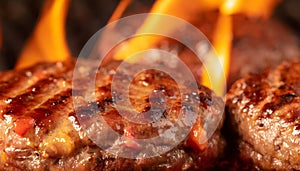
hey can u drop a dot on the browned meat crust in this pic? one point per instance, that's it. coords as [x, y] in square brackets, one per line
[265, 110]
[40, 131]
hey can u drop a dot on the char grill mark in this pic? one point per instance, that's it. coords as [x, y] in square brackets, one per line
[51, 107]
[29, 88]
[33, 96]
[54, 108]
[22, 79]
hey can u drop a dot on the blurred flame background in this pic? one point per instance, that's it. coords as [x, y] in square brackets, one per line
[18, 19]
[84, 18]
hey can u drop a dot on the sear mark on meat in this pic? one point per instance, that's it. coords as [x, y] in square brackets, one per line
[53, 139]
[264, 111]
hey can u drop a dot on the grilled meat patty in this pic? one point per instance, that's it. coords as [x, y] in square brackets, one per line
[264, 110]
[40, 130]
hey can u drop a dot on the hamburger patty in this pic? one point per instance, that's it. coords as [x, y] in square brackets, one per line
[265, 111]
[40, 130]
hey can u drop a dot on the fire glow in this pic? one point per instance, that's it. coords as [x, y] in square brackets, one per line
[222, 38]
[48, 42]
[222, 35]
[0, 38]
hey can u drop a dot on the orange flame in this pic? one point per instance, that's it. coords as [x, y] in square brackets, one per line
[223, 35]
[188, 11]
[48, 42]
[178, 8]
[119, 10]
[212, 78]
[253, 8]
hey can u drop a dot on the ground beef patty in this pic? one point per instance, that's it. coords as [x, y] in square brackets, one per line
[39, 129]
[265, 111]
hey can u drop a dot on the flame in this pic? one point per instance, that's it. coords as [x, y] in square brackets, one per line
[48, 42]
[223, 35]
[176, 8]
[213, 78]
[119, 10]
[188, 11]
[253, 8]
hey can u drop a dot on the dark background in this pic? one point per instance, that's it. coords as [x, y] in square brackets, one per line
[18, 18]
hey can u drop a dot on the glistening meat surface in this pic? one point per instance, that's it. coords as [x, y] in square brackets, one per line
[264, 110]
[39, 128]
